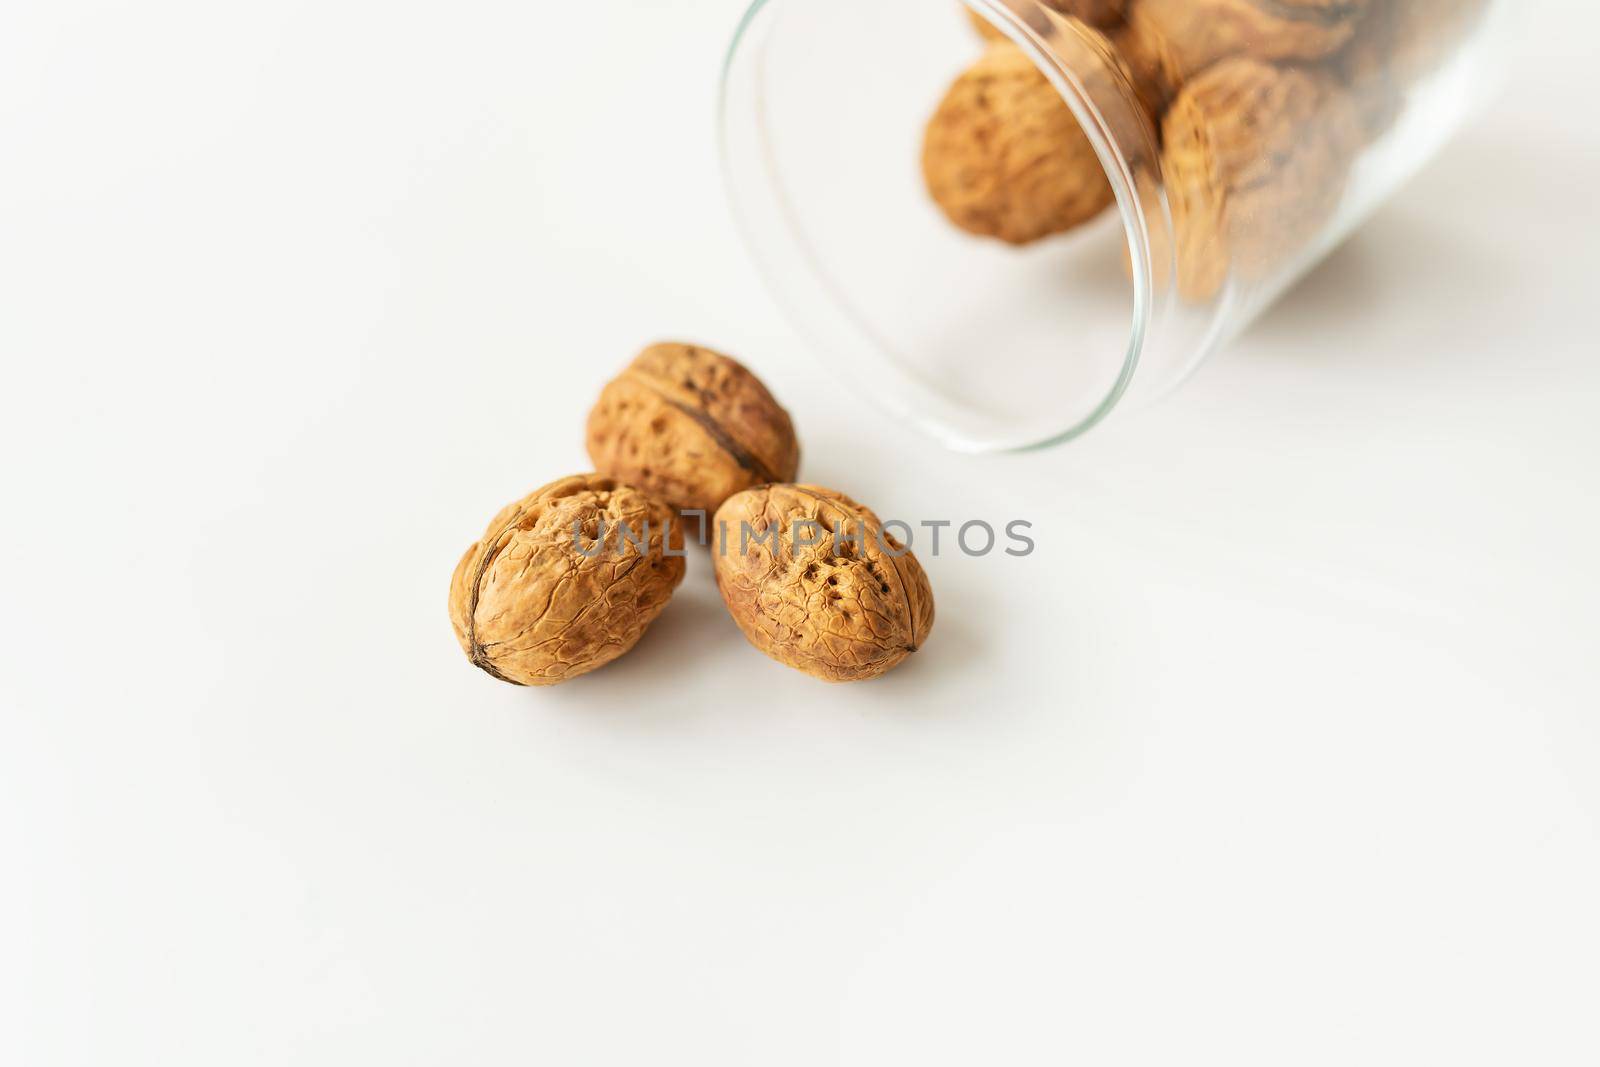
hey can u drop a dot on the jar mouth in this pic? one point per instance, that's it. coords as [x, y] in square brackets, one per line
[1131, 206]
[799, 247]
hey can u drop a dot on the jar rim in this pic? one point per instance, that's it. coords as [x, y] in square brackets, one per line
[1132, 207]
[1139, 207]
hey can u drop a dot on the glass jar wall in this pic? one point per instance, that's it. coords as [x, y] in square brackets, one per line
[1005, 219]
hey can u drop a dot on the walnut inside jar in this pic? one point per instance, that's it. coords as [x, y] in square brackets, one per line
[1167, 42]
[1004, 157]
[1256, 158]
[1398, 43]
[1100, 13]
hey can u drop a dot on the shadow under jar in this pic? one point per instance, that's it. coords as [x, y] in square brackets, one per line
[1004, 218]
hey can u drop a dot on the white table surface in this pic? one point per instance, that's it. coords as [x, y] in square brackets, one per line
[1282, 748]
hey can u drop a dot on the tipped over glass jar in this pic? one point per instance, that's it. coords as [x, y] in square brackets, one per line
[1003, 220]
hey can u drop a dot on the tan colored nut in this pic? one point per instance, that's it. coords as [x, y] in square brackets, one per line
[1398, 43]
[1004, 157]
[1422, 35]
[1167, 42]
[1095, 12]
[986, 29]
[541, 599]
[849, 607]
[692, 427]
[1255, 160]
[1366, 71]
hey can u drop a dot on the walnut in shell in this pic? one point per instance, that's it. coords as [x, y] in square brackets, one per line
[692, 427]
[1365, 70]
[1419, 36]
[1255, 158]
[541, 599]
[1398, 43]
[1094, 12]
[1004, 157]
[1167, 42]
[846, 608]
[986, 29]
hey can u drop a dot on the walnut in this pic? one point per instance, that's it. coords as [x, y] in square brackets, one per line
[1094, 12]
[547, 595]
[986, 29]
[692, 427]
[1365, 69]
[1421, 35]
[1004, 157]
[1398, 43]
[1255, 160]
[846, 608]
[1169, 41]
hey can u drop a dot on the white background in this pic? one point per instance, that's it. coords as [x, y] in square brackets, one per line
[1281, 749]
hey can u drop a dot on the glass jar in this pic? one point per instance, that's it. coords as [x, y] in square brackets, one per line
[1003, 221]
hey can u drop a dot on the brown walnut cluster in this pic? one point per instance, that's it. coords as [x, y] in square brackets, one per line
[567, 579]
[1260, 108]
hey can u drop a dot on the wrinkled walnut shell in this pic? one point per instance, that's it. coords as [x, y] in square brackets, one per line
[841, 612]
[1366, 70]
[1398, 43]
[1419, 36]
[1255, 158]
[1095, 12]
[1004, 157]
[1167, 42]
[531, 608]
[692, 427]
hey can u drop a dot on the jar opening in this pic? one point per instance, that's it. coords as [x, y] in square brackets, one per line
[986, 345]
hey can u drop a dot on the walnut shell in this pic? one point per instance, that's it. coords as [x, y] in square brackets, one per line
[692, 427]
[842, 610]
[530, 607]
[1419, 36]
[1004, 157]
[1255, 159]
[1365, 69]
[1095, 12]
[986, 29]
[1167, 42]
[1398, 43]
